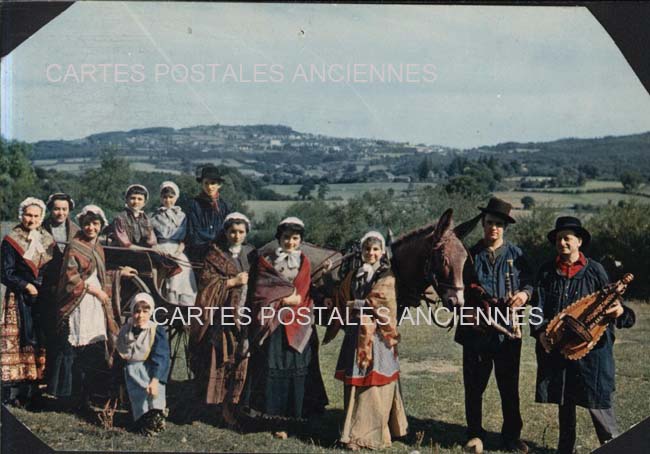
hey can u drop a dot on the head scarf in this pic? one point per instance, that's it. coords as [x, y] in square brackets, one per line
[175, 213]
[292, 220]
[239, 217]
[170, 184]
[137, 186]
[92, 209]
[34, 238]
[376, 235]
[128, 193]
[366, 268]
[293, 257]
[135, 345]
[142, 297]
[59, 196]
[236, 218]
[29, 201]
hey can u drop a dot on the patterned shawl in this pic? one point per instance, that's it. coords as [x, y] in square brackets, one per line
[270, 288]
[80, 261]
[217, 269]
[18, 238]
[382, 300]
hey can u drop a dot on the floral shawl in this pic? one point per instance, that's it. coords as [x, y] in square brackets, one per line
[380, 296]
[18, 239]
[80, 261]
[270, 288]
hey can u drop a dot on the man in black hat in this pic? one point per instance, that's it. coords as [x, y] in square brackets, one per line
[501, 279]
[587, 382]
[206, 215]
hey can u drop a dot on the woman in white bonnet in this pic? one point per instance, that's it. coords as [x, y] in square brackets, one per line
[219, 345]
[284, 385]
[368, 364]
[170, 226]
[80, 368]
[25, 252]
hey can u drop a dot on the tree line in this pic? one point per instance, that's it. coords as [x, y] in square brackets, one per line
[621, 231]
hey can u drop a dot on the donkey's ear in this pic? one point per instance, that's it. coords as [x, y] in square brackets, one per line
[390, 237]
[464, 229]
[389, 243]
[445, 223]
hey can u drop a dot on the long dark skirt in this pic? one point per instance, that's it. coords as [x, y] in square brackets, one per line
[82, 373]
[282, 384]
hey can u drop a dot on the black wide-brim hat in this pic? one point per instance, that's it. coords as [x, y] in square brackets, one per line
[211, 172]
[570, 223]
[499, 208]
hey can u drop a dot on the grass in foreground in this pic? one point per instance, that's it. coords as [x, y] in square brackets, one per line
[433, 394]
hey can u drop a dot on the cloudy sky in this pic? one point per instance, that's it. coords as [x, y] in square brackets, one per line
[478, 75]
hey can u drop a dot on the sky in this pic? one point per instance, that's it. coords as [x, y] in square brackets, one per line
[470, 75]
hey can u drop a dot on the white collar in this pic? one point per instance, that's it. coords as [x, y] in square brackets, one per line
[291, 257]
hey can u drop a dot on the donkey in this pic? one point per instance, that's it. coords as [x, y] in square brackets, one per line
[431, 255]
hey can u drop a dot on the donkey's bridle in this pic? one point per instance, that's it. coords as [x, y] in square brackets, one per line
[430, 276]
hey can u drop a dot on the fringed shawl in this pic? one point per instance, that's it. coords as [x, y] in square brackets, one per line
[80, 261]
[270, 288]
[217, 269]
[382, 317]
[71, 228]
[18, 239]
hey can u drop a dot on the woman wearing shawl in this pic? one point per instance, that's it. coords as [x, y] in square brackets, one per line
[170, 226]
[86, 319]
[144, 346]
[25, 251]
[368, 365]
[63, 230]
[284, 384]
[132, 227]
[220, 342]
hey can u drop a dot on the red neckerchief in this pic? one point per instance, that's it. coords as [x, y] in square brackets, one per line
[570, 269]
[215, 201]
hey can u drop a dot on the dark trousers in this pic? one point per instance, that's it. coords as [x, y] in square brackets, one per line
[477, 368]
[604, 421]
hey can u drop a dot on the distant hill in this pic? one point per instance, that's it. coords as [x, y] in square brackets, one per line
[281, 154]
[276, 151]
[604, 156]
[199, 140]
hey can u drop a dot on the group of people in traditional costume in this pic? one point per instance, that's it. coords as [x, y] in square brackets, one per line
[60, 326]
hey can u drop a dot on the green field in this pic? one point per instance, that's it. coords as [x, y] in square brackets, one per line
[345, 190]
[261, 208]
[589, 184]
[431, 382]
[569, 200]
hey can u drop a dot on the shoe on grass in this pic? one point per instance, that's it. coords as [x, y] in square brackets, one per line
[474, 446]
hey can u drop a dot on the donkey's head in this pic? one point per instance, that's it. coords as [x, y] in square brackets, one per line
[447, 261]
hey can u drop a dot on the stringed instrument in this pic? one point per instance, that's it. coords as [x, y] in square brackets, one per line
[579, 327]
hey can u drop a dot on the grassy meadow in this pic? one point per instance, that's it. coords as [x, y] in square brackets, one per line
[431, 381]
[341, 192]
[564, 201]
[345, 191]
